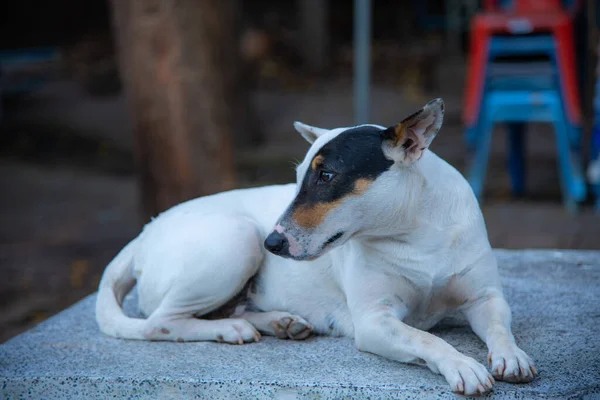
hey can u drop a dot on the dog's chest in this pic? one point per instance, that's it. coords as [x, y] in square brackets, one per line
[420, 284]
[434, 300]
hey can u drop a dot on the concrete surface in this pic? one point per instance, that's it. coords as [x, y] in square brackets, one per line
[554, 296]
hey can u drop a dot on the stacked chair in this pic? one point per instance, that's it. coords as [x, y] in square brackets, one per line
[504, 85]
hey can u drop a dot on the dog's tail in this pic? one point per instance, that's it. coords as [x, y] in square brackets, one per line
[116, 282]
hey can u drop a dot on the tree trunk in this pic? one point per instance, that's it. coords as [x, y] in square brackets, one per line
[178, 61]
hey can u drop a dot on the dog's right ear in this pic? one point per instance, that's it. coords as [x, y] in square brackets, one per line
[310, 133]
[406, 141]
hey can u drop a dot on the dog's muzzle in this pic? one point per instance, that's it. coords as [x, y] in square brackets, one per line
[277, 244]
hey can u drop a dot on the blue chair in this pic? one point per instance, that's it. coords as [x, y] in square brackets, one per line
[533, 77]
[540, 45]
[542, 75]
[508, 80]
[519, 106]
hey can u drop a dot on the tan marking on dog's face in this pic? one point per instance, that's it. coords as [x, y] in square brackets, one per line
[361, 186]
[311, 217]
[316, 162]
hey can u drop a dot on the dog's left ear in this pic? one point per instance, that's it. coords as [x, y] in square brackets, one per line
[310, 133]
[406, 142]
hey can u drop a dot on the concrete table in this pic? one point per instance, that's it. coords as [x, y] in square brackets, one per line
[554, 295]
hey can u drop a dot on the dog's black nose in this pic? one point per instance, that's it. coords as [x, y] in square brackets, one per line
[276, 243]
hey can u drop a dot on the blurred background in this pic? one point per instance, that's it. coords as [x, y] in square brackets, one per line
[111, 112]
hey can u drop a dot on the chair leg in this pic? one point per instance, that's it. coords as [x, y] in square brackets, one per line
[575, 136]
[481, 155]
[471, 137]
[593, 174]
[594, 167]
[596, 192]
[570, 167]
[516, 157]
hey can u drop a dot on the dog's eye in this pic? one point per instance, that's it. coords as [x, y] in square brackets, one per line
[325, 177]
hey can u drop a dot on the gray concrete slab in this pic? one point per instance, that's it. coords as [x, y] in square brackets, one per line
[554, 296]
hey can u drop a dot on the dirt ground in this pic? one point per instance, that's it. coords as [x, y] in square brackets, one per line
[67, 208]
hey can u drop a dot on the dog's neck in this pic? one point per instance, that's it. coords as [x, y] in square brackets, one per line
[436, 208]
[434, 198]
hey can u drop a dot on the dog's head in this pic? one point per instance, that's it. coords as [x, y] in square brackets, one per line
[350, 181]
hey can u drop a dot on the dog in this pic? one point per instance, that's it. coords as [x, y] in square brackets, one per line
[378, 240]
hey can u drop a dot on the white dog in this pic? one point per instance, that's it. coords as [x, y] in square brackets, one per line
[378, 240]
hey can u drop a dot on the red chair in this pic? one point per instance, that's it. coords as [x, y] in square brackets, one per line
[523, 17]
[524, 6]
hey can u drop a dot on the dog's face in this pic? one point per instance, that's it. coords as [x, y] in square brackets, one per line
[343, 184]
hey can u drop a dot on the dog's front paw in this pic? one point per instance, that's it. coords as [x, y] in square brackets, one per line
[509, 363]
[236, 331]
[466, 376]
[292, 327]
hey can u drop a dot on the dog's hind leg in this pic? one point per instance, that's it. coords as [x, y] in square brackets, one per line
[279, 323]
[187, 328]
[210, 267]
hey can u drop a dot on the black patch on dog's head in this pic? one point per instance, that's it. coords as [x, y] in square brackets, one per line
[355, 157]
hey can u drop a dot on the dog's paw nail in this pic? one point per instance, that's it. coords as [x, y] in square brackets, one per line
[511, 364]
[460, 388]
[524, 373]
[499, 370]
